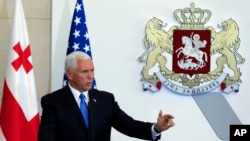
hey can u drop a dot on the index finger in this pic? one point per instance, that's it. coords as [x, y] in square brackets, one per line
[168, 116]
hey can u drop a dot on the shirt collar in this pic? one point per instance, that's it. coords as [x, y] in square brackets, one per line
[77, 93]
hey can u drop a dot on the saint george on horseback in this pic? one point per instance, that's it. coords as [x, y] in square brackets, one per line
[192, 49]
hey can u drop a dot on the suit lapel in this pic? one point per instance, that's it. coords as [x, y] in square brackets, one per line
[93, 101]
[70, 100]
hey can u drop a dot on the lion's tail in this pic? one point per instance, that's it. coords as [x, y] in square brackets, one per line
[240, 59]
[147, 46]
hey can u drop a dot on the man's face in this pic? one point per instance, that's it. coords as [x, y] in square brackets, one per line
[82, 77]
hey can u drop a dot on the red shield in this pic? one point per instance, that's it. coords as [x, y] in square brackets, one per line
[191, 54]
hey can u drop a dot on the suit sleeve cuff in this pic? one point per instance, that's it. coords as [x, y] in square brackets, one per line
[155, 133]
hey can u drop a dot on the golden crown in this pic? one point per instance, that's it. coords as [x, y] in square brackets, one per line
[191, 17]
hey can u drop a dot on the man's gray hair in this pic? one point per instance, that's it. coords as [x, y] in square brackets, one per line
[71, 59]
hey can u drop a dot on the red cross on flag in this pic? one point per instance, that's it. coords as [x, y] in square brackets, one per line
[19, 116]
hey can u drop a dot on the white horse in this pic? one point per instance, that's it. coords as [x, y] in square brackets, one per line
[189, 51]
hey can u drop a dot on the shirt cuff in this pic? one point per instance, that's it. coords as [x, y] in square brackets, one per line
[155, 134]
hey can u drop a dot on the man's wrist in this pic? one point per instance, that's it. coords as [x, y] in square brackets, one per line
[156, 129]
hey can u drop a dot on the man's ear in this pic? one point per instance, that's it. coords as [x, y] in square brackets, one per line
[69, 74]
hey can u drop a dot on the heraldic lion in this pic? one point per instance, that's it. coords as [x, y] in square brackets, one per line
[227, 42]
[156, 41]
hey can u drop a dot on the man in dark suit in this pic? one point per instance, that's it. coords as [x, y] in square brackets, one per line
[62, 119]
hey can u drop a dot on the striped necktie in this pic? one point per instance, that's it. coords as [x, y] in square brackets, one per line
[84, 109]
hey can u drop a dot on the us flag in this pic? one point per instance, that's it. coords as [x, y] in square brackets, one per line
[78, 37]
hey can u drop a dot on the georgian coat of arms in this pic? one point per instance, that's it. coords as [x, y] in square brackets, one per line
[191, 58]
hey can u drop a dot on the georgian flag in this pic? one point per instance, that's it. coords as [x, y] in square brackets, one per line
[153, 87]
[228, 88]
[19, 116]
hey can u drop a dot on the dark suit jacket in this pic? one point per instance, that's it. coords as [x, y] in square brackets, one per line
[62, 120]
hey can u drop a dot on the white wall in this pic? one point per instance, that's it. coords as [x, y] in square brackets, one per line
[116, 29]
